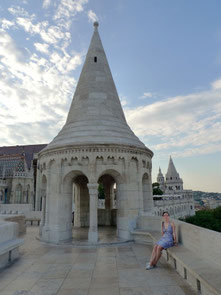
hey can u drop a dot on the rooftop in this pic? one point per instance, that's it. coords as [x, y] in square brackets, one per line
[64, 270]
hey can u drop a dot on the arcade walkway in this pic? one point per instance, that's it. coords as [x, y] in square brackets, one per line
[65, 270]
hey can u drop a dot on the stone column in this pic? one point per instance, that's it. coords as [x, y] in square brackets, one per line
[38, 191]
[77, 207]
[93, 195]
[42, 223]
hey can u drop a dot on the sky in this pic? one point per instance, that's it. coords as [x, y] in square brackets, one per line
[165, 58]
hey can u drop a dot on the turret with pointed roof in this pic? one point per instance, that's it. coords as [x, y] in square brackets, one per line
[160, 180]
[173, 182]
[95, 146]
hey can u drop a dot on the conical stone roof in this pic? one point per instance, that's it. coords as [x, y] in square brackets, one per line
[96, 115]
[171, 171]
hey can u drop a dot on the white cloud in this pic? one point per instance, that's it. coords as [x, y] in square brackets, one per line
[92, 16]
[216, 84]
[147, 95]
[34, 91]
[46, 3]
[69, 8]
[123, 100]
[184, 125]
[42, 47]
[20, 11]
[6, 24]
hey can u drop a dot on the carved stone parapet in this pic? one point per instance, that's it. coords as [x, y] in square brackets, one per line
[96, 149]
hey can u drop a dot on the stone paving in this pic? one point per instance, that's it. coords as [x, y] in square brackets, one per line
[66, 270]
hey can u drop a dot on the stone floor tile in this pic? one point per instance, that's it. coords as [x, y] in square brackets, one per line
[21, 284]
[106, 291]
[136, 291]
[168, 290]
[73, 292]
[46, 287]
[104, 283]
[103, 268]
[132, 278]
[106, 273]
[83, 266]
[57, 271]
[76, 283]
[75, 273]
[165, 280]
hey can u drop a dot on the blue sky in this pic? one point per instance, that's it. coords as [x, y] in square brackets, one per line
[165, 58]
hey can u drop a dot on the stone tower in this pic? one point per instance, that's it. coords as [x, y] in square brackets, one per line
[95, 146]
[160, 180]
[173, 182]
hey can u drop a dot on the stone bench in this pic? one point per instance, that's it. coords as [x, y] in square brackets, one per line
[203, 275]
[9, 251]
[29, 221]
[9, 242]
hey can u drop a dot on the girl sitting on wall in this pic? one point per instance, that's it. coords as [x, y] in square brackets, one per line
[167, 240]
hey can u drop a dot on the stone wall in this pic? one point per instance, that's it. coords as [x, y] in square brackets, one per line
[15, 208]
[19, 219]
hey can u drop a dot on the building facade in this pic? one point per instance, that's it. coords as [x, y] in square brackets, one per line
[175, 200]
[17, 174]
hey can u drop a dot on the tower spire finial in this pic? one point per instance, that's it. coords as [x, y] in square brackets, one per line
[96, 25]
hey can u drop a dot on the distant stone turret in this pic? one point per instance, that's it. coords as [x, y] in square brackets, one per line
[160, 180]
[173, 182]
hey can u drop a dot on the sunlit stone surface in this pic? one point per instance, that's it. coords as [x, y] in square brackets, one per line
[65, 270]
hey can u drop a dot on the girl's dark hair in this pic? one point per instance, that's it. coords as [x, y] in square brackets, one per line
[166, 212]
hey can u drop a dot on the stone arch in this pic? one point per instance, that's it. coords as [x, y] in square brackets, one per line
[18, 194]
[27, 194]
[114, 173]
[43, 200]
[75, 200]
[107, 214]
[110, 160]
[2, 195]
[74, 161]
[134, 164]
[171, 211]
[99, 160]
[114, 186]
[147, 192]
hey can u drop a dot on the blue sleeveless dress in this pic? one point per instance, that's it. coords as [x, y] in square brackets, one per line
[167, 239]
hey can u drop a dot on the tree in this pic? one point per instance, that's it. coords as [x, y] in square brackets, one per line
[101, 194]
[156, 189]
[210, 218]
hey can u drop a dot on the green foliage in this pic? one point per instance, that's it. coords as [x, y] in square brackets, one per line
[156, 189]
[210, 218]
[101, 194]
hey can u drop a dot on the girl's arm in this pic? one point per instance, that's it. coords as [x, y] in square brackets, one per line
[162, 228]
[174, 233]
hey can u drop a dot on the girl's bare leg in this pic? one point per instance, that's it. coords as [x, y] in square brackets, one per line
[158, 254]
[153, 255]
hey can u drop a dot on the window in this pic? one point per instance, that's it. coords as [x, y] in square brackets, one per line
[95, 59]
[18, 194]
